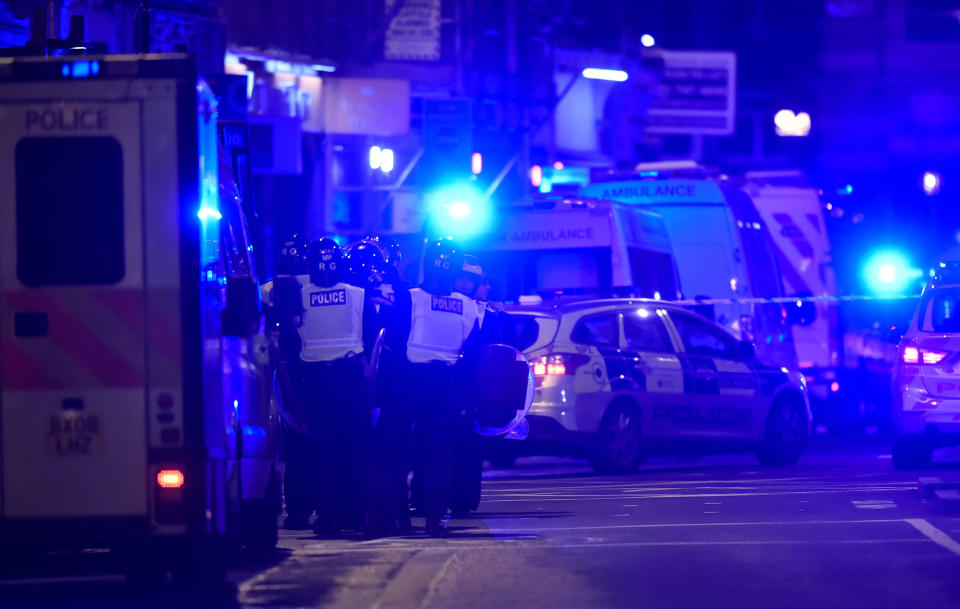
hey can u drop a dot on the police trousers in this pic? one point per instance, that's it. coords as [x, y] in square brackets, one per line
[417, 396]
[338, 413]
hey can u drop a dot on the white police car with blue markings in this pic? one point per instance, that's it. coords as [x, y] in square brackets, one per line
[620, 379]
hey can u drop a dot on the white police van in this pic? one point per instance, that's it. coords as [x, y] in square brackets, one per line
[135, 412]
[619, 379]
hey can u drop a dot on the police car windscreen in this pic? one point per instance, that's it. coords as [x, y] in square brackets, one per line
[516, 273]
[941, 311]
[69, 194]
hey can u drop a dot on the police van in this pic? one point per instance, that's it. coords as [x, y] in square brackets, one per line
[551, 245]
[133, 404]
[620, 379]
[722, 247]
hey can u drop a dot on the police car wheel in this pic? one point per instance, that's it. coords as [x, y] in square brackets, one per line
[911, 452]
[619, 441]
[786, 434]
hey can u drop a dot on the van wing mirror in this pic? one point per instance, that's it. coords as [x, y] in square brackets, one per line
[241, 316]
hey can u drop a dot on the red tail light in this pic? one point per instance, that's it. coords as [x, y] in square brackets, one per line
[558, 364]
[170, 478]
[914, 355]
[911, 355]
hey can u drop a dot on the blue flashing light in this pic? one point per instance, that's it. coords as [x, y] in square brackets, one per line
[81, 69]
[209, 213]
[94, 67]
[890, 272]
[65, 70]
[458, 210]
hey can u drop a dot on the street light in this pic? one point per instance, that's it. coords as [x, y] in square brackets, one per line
[789, 124]
[931, 183]
[647, 40]
[604, 74]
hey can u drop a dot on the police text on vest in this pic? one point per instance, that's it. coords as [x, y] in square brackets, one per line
[328, 298]
[446, 304]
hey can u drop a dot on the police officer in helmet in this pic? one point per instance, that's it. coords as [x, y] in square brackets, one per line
[339, 326]
[429, 330]
[282, 301]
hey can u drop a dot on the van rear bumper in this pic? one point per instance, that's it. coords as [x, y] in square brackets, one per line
[73, 532]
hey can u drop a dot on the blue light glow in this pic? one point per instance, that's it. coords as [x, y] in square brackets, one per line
[65, 70]
[94, 67]
[209, 213]
[81, 69]
[890, 272]
[458, 210]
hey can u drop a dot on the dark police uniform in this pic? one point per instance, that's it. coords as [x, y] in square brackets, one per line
[427, 330]
[339, 325]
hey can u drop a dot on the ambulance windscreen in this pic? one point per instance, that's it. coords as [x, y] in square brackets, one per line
[69, 194]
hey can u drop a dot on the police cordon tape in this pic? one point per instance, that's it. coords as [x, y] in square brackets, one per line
[794, 299]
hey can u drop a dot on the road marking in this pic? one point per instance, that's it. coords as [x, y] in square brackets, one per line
[523, 498]
[712, 503]
[874, 504]
[693, 524]
[936, 535]
[712, 512]
[631, 505]
[432, 588]
[411, 585]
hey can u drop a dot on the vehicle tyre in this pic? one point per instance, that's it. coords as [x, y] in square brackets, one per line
[787, 432]
[619, 440]
[260, 528]
[499, 454]
[911, 452]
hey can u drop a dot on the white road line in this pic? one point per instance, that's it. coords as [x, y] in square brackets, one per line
[692, 524]
[66, 579]
[711, 512]
[432, 588]
[936, 535]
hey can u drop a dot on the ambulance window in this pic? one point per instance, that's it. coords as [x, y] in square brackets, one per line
[644, 331]
[69, 194]
[701, 338]
[652, 273]
[602, 330]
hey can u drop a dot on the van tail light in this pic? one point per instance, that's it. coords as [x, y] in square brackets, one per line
[170, 478]
[168, 497]
[558, 364]
[914, 355]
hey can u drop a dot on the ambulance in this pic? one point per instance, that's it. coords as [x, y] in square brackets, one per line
[134, 407]
[792, 210]
[722, 247]
[557, 245]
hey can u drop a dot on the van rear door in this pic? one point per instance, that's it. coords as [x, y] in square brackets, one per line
[72, 307]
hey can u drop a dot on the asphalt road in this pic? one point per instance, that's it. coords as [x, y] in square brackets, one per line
[840, 529]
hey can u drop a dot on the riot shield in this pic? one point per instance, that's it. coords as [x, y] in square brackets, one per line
[500, 391]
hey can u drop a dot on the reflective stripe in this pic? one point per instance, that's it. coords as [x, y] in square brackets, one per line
[439, 326]
[332, 322]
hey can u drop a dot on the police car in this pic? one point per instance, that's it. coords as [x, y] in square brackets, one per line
[620, 379]
[926, 376]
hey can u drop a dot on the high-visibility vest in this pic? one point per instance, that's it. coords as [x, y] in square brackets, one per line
[439, 326]
[332, 322]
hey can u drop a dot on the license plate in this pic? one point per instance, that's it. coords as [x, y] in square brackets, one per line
[71, 434]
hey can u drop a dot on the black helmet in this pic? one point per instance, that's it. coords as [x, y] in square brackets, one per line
[324, 261]
[293, 256]
[470, 276]
[442, 262]
[365, 264]
[390, 249]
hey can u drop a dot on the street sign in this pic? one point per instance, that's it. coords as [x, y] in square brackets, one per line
[696, 93]
[447, 138]
[414, 31]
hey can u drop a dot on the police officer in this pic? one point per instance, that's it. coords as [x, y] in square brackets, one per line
[282, 301]
[429, 329]
[339, 325]
[366, 268]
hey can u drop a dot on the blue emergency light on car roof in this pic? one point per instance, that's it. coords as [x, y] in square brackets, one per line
[80, 69]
